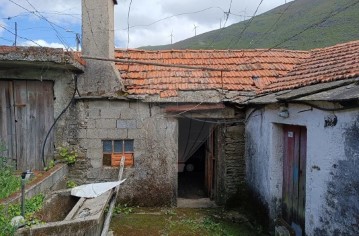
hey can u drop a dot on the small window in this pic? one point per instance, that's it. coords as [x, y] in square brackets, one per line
[114, 150]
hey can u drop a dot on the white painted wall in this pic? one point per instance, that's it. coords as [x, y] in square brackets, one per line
[325, 147]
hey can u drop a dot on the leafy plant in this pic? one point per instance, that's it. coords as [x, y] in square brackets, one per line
[32, 205]
[124, 209]
[71, 184]
[50, 165]
[9, 182]
[68, 156]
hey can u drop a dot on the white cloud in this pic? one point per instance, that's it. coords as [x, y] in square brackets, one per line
[57, 11]
[146, 12]
[42, 43]
[67, 14]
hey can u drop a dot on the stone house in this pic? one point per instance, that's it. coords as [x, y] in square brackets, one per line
[35, 86]
[173, 114]
[205, 123]
[302, 143]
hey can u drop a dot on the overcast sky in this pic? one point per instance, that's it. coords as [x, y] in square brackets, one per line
[55, 23]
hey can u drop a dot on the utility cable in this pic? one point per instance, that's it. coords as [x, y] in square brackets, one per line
[245, 27]
[128, 24]
[56, 120]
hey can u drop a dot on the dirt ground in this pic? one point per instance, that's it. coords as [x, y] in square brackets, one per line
[181, 221]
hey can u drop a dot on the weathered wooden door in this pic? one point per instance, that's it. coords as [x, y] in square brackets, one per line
[27, 113]
[294, 165]
[210, 164]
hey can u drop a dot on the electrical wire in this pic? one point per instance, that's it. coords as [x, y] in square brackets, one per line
[332, 14]
[128, 24]
[1, 26]
[275, 23]
[58, 35]
[169, 17]
[224, 25]
[238, 38]
[57, 119]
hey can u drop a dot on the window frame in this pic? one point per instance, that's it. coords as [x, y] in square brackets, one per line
[116, 156]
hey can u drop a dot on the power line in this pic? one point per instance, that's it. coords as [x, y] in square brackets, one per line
[245, 27]
[58, 35]
[275, 23]
[332, 14]
[38, 14]
[20, 36]
[224, 25]
[169, 17]
[128, 24]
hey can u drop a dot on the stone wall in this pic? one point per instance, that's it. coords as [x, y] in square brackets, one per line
[230, 169]
[153, 178]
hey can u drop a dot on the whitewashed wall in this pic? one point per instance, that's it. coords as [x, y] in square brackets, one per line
[332, 182]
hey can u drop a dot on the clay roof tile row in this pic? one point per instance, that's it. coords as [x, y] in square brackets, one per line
[258, 70]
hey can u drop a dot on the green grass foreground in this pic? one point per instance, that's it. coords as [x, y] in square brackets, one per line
[180, 221]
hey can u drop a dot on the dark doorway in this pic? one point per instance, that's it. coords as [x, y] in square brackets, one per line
[195, 159]
[294, 165]
[191, 179]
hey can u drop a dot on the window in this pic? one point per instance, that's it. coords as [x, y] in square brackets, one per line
[114, 150]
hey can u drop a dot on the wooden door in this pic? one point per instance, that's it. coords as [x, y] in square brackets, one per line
[294, 166]
[28, 115]
[7, 120]
[210, 164]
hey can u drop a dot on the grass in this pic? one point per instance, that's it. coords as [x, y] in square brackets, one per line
[179, 221]
[7, 212]
[276, 26]
[9, 182]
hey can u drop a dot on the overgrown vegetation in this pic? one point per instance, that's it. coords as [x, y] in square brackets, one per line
[9, 182]
[123, 209]
[71, 184]
[277, 27]
[7, 212]
[50, 165]
[180, 221]
[66, 155]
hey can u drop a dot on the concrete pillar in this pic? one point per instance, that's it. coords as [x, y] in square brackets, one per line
[101, 78]
[98, 28]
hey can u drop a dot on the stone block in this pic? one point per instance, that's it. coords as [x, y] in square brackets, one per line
[96, 163]
[135, 133]
[110, 113]
[126, 124]
[94, 153]
[82, 133]
[98, 104]
[106, 123]
[128, 114]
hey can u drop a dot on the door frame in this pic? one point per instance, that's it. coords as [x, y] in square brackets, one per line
[294, 176]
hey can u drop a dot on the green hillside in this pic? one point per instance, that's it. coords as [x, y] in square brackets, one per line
[302, 24]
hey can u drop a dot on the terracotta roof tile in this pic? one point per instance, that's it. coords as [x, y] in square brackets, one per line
[327, 64]
[243, 65]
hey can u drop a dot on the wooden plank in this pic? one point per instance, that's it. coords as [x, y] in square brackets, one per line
[33, 124]
[7, 136]
[48, 98]
[20, 97]
[302, 177]
[295, 196]
[288, 157]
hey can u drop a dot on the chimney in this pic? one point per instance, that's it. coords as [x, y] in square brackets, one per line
[98, 28]
[100, 78]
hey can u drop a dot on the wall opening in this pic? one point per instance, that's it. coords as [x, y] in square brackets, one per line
[195, 155]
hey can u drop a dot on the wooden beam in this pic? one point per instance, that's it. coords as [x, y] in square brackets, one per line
[195, 107]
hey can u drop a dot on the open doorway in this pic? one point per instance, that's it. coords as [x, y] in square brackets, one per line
[194, 152]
